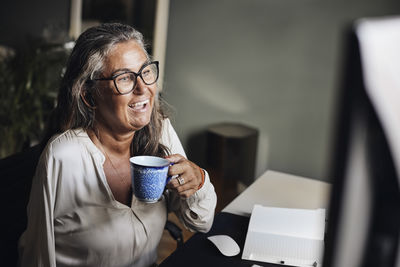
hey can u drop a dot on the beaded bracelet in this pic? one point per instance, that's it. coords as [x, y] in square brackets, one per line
[202, 178]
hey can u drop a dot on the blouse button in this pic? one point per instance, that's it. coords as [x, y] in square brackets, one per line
[193, 215]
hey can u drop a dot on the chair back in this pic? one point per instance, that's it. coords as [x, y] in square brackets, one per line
[16, 173]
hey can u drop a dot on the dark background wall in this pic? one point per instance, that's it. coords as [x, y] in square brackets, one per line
[39, 18]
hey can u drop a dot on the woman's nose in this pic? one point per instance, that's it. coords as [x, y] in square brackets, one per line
[140, 87]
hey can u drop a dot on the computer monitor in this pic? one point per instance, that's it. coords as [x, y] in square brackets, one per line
[363, 226]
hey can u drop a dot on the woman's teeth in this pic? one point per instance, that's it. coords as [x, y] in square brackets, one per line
[139, 105]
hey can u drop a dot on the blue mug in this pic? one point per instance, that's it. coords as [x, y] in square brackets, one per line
[149, 177]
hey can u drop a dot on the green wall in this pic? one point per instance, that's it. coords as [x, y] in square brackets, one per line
[270, 64]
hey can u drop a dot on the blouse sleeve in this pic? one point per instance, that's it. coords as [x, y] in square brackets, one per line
[196, 212]
[36, 245]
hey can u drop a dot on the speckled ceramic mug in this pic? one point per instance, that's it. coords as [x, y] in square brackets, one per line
[149, 177]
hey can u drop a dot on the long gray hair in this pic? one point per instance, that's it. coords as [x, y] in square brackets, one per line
[85, 62]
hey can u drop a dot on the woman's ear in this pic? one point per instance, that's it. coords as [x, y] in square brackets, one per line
[87, 98]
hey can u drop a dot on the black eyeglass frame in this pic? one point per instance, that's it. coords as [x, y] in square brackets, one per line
[138, 74]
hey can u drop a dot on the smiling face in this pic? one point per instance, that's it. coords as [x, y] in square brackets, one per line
[132, 111]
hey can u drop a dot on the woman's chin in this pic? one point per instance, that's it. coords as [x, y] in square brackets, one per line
[138, 120]
[139, 123]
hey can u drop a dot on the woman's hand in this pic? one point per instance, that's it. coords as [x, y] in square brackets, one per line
[189, 176]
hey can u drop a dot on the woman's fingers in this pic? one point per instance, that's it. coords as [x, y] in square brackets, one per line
[185, 190]
[181, 183]
[180, 165]
[175, 158]
[188, 176]
[179, 168]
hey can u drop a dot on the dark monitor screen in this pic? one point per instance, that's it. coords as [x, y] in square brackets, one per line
[364, 214]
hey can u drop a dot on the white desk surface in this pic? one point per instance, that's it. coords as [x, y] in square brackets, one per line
[277, 189]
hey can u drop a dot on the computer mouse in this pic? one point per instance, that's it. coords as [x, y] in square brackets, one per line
[225, 244]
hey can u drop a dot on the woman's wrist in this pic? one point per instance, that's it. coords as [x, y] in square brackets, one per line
[202, 178]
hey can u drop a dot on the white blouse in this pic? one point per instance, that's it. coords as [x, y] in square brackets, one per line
[74, 220]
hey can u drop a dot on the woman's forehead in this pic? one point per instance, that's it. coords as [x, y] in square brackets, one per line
[128, 55]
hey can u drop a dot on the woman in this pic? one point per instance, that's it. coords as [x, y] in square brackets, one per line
[82, 211]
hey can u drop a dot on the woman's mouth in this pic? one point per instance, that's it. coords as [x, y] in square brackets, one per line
[139, 106]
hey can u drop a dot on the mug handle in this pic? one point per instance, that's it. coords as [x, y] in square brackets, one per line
[169, 177]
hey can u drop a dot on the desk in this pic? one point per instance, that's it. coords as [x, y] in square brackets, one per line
[277, 189]
[271, 189]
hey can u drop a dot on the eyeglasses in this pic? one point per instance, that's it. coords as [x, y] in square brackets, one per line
[125, 82]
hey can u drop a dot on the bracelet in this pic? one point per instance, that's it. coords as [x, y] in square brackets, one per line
[202, 178]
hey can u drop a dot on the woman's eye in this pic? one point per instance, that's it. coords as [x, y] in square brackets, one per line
[146, 72]
[124, 78]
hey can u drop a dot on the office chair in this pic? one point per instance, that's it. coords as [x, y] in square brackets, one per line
[16, 172]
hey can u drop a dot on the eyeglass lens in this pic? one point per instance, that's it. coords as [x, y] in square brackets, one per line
[126, 82]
